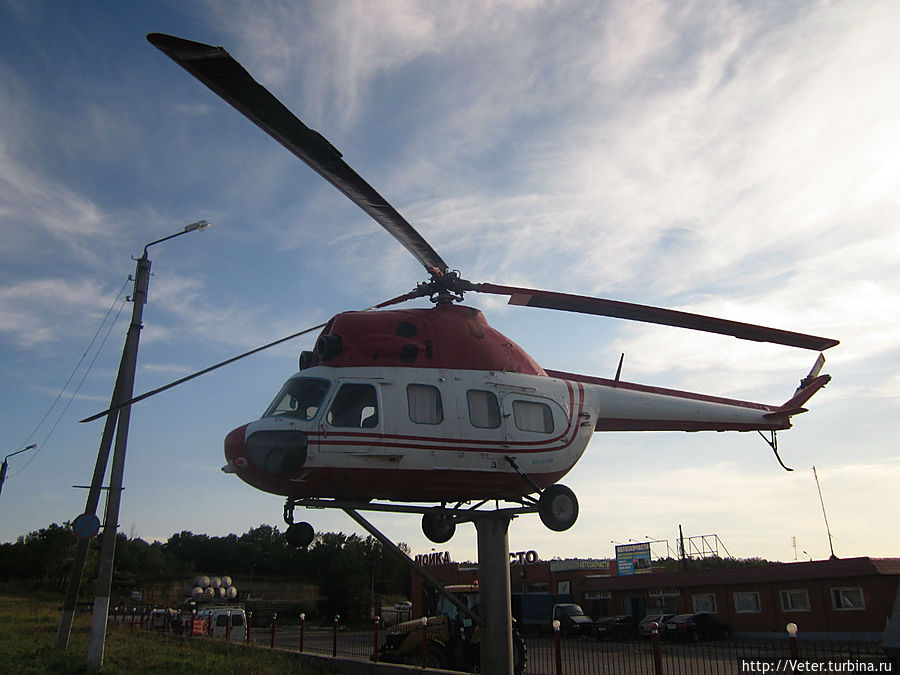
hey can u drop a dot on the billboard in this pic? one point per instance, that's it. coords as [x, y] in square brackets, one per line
[633, 559]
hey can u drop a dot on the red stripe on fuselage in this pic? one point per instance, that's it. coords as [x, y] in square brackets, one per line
[379, 440]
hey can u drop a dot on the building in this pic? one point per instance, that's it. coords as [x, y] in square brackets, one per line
[849, 598]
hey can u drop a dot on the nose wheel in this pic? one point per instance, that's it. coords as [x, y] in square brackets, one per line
[438, 526]
[299, 535]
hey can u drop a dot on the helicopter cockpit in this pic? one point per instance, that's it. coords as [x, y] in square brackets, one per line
[299, 398]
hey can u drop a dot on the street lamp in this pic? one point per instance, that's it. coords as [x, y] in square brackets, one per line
[117, 420]
[5, 465]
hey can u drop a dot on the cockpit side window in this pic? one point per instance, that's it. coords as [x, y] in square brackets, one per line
[299, 398]
[354, 406]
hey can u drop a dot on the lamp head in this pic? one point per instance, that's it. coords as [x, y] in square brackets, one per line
[199, 225]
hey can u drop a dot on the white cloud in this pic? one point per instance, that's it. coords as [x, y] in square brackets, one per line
[44, 310]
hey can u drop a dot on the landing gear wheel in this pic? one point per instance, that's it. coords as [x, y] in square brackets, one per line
[558, 508]
[438, 527]
[300, 535]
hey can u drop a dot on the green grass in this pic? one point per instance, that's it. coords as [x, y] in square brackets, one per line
[28, 632]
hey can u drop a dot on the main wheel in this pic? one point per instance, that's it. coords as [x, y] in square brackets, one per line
[438, 526]
[558, 508]
[300, 535]
[520, 651]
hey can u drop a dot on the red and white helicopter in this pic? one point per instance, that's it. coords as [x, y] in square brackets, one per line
[433, 406]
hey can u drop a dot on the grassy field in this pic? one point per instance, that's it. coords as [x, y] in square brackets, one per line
[28, 632]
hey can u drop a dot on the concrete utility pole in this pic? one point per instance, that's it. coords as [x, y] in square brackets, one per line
[125, 385]
[87, 524]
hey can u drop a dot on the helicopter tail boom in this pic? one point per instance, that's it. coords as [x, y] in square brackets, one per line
[627, 406]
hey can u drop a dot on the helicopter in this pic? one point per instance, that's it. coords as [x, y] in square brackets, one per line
[431, 410]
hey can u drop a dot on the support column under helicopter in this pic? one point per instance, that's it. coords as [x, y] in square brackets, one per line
[494, 593]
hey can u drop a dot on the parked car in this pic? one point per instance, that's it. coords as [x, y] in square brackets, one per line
[644, 625]
[619, 627]
[695, 627]
[572, 619]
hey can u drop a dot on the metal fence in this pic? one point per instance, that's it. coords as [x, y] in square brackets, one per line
[552, 655]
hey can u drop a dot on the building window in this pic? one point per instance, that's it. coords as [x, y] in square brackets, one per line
[794, 601]
[424, 404]
[531, 416]
[354, 406]
[704, 602]
[747, 603]
[484, 412]
[847, 598]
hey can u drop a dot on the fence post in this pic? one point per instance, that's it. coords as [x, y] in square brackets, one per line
[424, 621]
[792, 640]
[657, 651]
[376, 641]
[249, 624]
[228, 625]
[274, 621]
[337, 617]
[302, 629]
[132, 618]
[557, 648]
[193, 621]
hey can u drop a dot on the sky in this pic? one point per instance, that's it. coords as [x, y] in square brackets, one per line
[729, 158]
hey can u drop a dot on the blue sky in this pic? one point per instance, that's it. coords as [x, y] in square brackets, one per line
[737, 159]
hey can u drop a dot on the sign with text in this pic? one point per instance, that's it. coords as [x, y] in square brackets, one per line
[633, 559]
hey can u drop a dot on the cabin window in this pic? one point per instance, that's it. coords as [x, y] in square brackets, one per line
[847, 598]
[425, 405]
[484, 412]
[794, 601]
[532, 416]
[299, 398]
[355, 406]
[747, 603]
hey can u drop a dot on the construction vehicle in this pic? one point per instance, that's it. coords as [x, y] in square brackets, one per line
[453, 638]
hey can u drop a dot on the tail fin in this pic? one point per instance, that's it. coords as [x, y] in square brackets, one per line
[809, 385]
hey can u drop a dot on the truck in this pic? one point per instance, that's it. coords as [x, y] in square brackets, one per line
[453, 638]
[538, 611]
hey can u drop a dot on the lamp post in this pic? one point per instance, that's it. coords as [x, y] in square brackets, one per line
[5, 466]
[87, 523]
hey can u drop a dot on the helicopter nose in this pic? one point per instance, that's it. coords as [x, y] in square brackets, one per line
[236, 450]
[277, 452]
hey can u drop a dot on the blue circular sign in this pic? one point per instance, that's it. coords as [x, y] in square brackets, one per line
[86, 525]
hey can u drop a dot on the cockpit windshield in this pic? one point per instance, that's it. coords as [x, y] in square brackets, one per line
[299, 398]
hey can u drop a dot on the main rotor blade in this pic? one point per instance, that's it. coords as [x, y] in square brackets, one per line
[668, 317]
[188, 378]
[165, 387]
[219, 71]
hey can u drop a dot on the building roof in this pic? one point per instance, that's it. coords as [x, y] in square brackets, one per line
[771, 573]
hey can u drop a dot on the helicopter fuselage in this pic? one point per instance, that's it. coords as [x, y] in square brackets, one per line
[385, 410]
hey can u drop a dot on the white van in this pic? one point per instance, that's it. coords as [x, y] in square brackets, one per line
[219, 617]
